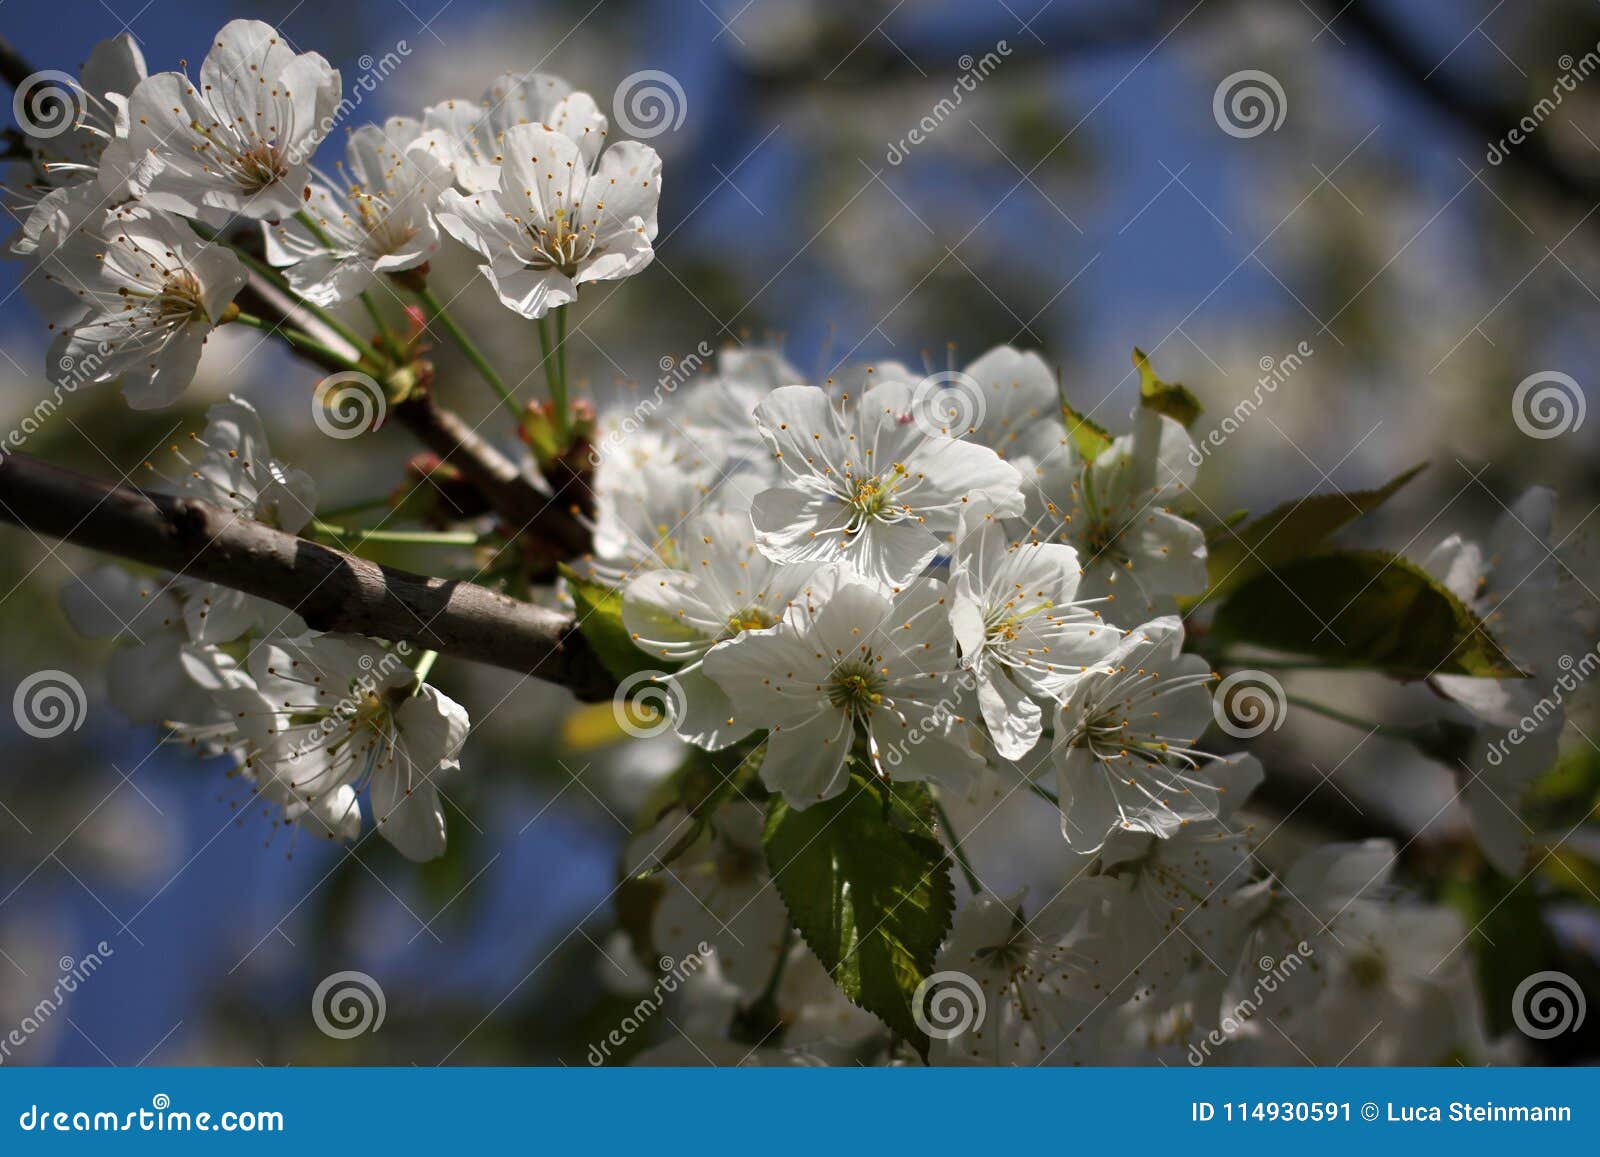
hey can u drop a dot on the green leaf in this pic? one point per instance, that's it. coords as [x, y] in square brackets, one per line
[1173, 399]
[1367, 609]
[872, 899]
[1088, 439]
[1291, 530]
[600, 620]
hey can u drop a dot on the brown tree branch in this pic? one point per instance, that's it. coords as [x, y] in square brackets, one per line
[549, 520]
[13, 68]
[1464, 101]
[531, 515]
[331, 590]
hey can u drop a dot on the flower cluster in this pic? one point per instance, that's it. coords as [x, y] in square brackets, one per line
[883, 596]
[878, 582]
[307, 719]
[133, 213]
[129, 211]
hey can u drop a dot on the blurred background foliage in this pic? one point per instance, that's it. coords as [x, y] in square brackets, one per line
[1082, 200]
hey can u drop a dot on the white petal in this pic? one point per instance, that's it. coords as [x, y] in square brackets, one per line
[806, 762]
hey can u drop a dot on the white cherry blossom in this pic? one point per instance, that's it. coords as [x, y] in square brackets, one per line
[1190, 901]
[1388, 974]
[146, 616]
[1124, 741]
[1016, 392]
[1022, 632]
[870, 486]
[1035, 980]
[237, 144]
[469, 137]
[718, 892]
[723, 586]
[330, 712]
[845, 660]
[1116, 511]
[151, 293]
[231, 465]
[374, 216]
[714, 413]
[646, 491]
[1510, 582]
[64, 192]
[222, 725]
[551, 224]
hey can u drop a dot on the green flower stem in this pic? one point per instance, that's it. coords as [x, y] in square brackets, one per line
[955, 846]
[355, 536]
[563, 416]
[425, 667]
[261, 267]
[298, 340]
[437, 312]
[378, 323]
[321, 235]
[550, 359]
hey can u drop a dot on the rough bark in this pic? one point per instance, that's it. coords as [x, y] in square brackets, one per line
[330, 589]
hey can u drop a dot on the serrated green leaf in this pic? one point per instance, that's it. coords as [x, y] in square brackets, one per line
[1362, 609]
[600, 621]
[1088, 439]
[1174, 399]
[1291, 530]
[871, 899]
